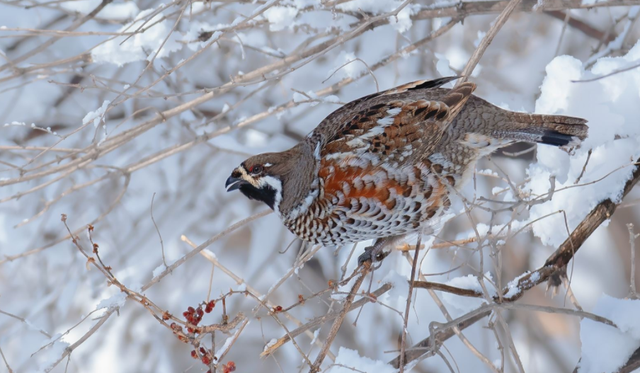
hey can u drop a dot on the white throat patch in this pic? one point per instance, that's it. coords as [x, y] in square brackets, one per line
[276, 185]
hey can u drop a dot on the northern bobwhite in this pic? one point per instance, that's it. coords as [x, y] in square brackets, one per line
[383, 166]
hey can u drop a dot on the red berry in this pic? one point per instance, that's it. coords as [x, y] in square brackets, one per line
[200, 312]
[206, 360]
[194, 354]
[231, 366]
[191, 310]
[203, 351]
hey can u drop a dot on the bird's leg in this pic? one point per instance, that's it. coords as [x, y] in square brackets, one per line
[376, 253]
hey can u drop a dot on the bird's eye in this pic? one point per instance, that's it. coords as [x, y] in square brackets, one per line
[257, 169]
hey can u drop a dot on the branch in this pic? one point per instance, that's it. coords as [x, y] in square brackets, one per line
[364, 269]
[318, 321]
[603, 211]
[632, 364]
[465, 9]
[554, 267]
[486, 40]
[582, 26]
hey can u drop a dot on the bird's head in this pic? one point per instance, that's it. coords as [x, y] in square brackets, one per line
[261, 178]
[281, 180]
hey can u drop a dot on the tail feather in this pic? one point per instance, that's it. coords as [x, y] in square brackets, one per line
[556, 130]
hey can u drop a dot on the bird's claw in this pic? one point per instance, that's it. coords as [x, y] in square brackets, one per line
[372, 254]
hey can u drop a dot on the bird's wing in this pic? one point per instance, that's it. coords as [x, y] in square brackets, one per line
[387, 126]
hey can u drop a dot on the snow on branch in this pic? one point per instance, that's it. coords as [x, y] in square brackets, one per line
[110, 104]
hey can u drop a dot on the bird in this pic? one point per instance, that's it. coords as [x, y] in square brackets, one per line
[385, 165]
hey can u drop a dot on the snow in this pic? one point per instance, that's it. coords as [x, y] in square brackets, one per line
[116, 301]
[402, 22]
[470, 282]
[115, 11]
[349, 361]
[229, 341]
[188, 177]
[50, 355]
[280, 17]
[158, 270]
[332, 99]
[96, 116]
[400, 289]
[192, 36]
[443, 66]
[605, 348]
[316, 333]
[347, 67]
[270, 343]
[609, 115]
[481, 35]
[513, 285]
[141, 46]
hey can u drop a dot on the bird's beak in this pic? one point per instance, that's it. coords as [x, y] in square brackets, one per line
[234, 183]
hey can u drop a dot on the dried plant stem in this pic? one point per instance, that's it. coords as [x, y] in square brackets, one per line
[319, 321]
[203, 246]
[6, 363]
[555, 265]
[632, 271]
[486, 40]
[337, 323]
[407, 309]
[256, 293]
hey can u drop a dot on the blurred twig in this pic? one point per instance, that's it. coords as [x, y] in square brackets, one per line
[337, 323]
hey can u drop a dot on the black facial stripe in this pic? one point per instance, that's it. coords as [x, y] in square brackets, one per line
[265, 194]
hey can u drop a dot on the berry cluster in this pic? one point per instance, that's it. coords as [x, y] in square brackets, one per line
[209, 306]
[177, 329]
[229, 367]
[194, 315]
[206, 356]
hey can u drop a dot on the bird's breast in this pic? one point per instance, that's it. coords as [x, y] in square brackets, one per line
[361, 202]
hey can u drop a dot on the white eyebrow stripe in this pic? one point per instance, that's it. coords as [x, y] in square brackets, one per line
[247, 177]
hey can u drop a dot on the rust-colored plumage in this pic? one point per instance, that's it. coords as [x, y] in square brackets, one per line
[384, 165]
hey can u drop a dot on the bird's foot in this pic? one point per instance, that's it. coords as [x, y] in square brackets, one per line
[373, 254]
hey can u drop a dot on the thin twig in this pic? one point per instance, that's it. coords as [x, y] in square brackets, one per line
[486, 40]
[633, 293]
[337, 323]
[5, 361]
[164, 260]
[407, 309]
[203, 246]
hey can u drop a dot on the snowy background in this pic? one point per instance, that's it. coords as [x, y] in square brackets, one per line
[131, 119]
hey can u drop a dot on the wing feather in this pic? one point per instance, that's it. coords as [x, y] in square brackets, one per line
[388, 126]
